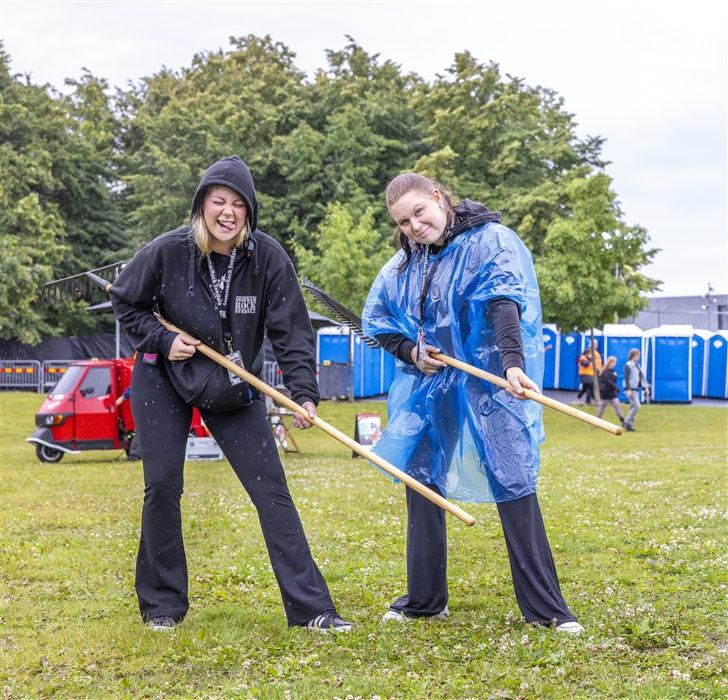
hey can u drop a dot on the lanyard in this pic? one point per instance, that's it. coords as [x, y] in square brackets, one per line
[221, 304]
[426, 283]
[427, 278]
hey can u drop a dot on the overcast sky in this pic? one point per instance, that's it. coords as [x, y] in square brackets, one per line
[650, 77]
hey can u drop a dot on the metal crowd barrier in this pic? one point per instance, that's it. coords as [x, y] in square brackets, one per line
[19, 374]
[53, 370]
[271, 375]
[30, 374]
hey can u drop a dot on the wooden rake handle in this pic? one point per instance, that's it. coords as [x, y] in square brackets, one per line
[327, 428]
[533, 395]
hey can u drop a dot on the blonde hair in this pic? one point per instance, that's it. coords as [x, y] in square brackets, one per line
[203, 237]
[611, 361]
[403, 184]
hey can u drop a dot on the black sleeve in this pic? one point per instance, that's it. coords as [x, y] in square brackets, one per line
[506, 317]
[398, 345]
[134, 294]
[290, 332]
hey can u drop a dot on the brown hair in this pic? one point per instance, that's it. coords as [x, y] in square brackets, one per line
[634, 352]
[403, 184]
[201, 233]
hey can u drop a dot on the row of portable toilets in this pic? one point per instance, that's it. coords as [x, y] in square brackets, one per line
[679, 362]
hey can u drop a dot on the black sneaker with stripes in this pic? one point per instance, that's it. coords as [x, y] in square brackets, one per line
[328, 621]
[162, 624]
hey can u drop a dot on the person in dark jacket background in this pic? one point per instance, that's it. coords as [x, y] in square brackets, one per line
[224, 282]
[608, 389]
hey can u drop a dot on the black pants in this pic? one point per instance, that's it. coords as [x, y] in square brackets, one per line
[587, 387]
[532, 566]
[163, 421]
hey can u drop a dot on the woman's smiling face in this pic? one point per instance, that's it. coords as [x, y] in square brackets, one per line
[225, 214]
[421, 217]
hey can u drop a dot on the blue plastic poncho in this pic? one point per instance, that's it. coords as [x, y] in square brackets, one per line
[471, 438]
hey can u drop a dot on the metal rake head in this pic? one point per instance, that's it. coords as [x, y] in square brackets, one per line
[346, 316]
[80, 286]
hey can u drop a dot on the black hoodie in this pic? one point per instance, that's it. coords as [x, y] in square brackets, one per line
[168, 274]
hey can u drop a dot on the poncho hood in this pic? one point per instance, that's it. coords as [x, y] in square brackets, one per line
[233, 173]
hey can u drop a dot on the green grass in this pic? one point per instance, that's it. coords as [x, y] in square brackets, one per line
[637, 524]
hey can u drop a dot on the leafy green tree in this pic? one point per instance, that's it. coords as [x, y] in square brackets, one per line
[346, 257]
[58, 210]
[501, 142]
[359, 133]
[89, 178]
[176, 124]
[589, 271]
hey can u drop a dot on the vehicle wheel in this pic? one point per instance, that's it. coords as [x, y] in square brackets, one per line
[48, 454]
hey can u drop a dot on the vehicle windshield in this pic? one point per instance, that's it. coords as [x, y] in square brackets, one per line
[68, 380]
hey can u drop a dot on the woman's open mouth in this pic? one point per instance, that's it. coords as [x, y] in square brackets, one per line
[226, 225]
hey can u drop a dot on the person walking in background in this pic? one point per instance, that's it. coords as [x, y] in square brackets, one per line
[586, 372]
[586, 377]
[608, 389]
[597, 356]
[634, 380]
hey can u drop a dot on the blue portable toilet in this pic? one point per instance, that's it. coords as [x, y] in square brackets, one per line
[568, 349]
[332, 361]
[700, 347]
[332, 344]
[669, 364]
[550, 369]
[372, 369]
[717, 357]
[619, 339]
[368, 369]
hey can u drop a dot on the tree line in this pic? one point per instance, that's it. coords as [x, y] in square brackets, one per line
[91, 176]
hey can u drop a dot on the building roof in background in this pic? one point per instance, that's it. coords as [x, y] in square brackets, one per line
[705, 312]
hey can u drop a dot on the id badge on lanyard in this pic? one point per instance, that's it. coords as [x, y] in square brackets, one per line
[235, 358]
[421, 344]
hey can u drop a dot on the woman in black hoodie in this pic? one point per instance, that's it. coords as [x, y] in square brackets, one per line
[224, 282]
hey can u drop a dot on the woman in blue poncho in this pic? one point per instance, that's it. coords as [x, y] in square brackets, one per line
[464, 285]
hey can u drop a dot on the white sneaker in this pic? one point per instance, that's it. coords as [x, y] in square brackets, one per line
[395, 615]
[570, 627]
[401, 617]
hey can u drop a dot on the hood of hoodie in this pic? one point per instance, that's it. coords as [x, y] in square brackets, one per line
[233, 173]
[469, 214]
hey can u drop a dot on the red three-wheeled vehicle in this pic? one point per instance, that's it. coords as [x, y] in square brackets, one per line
[82, 412]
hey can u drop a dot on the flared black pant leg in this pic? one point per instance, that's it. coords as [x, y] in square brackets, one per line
[426, 557]
[532, 566]
[162, 421]
[247, 441]
[535, 581]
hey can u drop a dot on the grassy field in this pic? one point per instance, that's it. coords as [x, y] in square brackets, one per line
[637, 524]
